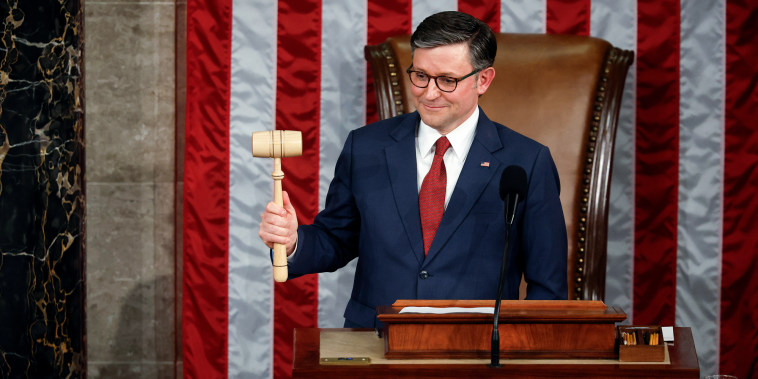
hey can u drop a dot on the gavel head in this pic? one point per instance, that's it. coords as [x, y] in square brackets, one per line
[277, 144]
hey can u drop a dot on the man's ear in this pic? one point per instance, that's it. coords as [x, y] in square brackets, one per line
[484, 80]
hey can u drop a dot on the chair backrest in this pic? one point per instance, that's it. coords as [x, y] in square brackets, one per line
[562, 91]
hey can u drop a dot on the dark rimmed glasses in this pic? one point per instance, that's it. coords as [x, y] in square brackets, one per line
[421, 79]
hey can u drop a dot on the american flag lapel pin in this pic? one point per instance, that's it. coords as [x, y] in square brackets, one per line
[485, 164]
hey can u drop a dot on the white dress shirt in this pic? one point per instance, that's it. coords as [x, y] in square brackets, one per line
[455, 156]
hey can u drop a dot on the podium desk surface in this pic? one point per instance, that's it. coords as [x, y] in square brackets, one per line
[681, 363]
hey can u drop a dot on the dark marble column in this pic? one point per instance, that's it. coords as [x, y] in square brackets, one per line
[41, 190]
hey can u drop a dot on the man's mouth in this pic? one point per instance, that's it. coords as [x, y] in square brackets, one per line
[432, 106]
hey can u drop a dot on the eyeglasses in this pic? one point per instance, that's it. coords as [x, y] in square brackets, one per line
[421, 79]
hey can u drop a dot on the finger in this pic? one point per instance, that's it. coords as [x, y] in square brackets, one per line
[272, 224]
[276, 209]
[265, 237]
[270, 238]
[276, 230]
[271, 234]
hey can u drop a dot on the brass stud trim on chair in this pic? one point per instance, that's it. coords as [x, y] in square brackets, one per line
[395, 84]
[589, 167]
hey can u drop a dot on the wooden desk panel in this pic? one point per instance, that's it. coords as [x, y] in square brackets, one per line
[683, 364]
[544, 329]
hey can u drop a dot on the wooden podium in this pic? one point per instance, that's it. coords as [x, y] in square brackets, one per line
[531, 329]
[538, 339]
[309, 349]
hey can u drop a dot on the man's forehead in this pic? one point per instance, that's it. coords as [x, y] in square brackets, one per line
[442, 60]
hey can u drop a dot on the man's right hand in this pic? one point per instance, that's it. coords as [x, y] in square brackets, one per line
[279, 224]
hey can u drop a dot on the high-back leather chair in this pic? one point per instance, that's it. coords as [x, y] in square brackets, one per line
[562, 91]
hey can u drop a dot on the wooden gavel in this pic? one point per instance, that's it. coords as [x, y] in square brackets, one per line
[277, 144]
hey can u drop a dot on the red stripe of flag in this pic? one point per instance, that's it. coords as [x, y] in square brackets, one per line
[657, 156]
[386, 18]
[739, 282]
[486, 10]
[206, 189]
[568, 17]
[298, 89]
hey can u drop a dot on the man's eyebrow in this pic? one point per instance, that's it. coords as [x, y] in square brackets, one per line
[449, 74]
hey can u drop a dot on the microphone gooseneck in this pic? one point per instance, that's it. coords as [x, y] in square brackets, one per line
[513, 186]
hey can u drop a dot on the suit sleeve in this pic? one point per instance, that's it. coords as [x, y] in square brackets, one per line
[332, 240]
[544, 241]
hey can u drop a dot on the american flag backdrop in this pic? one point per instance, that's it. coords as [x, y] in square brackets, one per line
[683, 238]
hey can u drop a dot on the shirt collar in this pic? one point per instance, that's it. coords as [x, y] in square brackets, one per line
[460, 138]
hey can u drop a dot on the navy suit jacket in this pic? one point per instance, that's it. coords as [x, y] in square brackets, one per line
[372, 213]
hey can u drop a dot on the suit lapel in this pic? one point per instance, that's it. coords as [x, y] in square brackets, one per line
[401, 163]
[472, 181]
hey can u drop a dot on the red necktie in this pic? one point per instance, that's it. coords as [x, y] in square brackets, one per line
[431, 198]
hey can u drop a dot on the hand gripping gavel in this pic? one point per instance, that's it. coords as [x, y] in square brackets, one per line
[277, 144]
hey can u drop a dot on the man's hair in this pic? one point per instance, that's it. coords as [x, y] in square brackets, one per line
[451, 27]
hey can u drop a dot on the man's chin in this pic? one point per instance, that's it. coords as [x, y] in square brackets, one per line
[432, 119]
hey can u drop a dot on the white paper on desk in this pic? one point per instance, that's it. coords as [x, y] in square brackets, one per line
[668, 333]
[446, 310]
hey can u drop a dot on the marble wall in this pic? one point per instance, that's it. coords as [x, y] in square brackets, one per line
[133, 265]
[112, 311]
[42, 203]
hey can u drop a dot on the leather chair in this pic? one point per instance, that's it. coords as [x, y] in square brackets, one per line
[561, 90]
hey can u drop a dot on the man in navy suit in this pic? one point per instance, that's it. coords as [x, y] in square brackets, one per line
[389, 192]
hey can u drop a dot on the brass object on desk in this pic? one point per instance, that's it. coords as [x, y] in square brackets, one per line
[640, 343]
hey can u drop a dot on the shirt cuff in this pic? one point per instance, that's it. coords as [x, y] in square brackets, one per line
[291, 257]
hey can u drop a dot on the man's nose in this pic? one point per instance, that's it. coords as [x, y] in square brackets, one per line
[432, 91]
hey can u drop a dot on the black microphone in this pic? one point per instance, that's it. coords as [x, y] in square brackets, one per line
[512, 190]
[513, 187]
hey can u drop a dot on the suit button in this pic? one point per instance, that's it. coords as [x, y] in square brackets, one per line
[423, 274]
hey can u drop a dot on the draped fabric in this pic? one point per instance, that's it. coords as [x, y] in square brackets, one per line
[682, 249]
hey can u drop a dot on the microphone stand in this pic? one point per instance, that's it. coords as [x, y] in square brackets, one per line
[495, 346]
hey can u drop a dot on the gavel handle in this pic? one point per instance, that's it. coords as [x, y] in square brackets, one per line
[280, 251]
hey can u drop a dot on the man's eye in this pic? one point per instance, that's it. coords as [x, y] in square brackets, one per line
[446, 81]
[421, 76]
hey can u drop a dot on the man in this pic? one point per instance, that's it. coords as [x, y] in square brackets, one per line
[434, 229]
